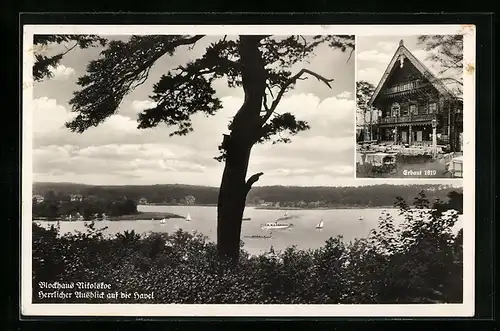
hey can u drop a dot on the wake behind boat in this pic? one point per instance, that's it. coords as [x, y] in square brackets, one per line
[256, 236]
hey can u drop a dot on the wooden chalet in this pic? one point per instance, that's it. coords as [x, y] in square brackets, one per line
[409, 100]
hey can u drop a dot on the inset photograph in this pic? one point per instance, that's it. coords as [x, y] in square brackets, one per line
[409, 114]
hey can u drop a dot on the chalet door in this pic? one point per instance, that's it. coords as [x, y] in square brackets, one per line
[405, 136]
[419, 135]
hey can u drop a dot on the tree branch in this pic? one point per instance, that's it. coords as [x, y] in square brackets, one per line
[289, 82]
[69, 49]
[252, 180]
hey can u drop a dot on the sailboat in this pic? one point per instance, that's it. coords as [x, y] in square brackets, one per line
[163, 221]
[360, 218]
[320, 225]
[188, 217]
[285, 217]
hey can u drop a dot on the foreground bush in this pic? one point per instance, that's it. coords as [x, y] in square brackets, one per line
[417, 262]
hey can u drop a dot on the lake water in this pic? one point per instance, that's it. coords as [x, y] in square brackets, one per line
[303, 234]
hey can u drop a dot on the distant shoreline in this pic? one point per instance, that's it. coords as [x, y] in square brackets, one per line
[177, 205]
[325, 208]
[280, 208]
[140, 216]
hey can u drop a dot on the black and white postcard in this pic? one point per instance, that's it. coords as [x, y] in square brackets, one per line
[271, 171]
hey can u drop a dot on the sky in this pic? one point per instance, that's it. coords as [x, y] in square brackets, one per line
[117, 153]
[375, 53]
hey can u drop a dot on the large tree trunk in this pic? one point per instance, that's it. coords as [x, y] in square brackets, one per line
[231, 204]
[238, 145]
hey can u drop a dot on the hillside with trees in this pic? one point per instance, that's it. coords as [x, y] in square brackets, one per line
[286, 196]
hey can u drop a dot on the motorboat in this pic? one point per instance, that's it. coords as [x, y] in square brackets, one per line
[276, 226]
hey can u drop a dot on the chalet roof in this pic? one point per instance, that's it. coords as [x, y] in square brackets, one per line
[403, 53]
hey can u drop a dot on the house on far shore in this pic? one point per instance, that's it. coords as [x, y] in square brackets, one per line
[38, 198]
[76, 197]
[143, 201]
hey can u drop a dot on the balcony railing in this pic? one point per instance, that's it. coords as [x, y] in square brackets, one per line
[406, 119]
[403, 87]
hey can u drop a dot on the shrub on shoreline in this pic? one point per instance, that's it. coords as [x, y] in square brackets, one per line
[417, 262]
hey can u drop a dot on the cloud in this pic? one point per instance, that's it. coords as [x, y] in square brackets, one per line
[371, 75]
[61, 72]
[388, 46]
[375, 56]
[140, 105]
[345, 95]
[128, 154]
[48, 115]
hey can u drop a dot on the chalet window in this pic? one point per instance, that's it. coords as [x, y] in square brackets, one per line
[432, 108]
[413, 109]
[395, 109]
[404, 110]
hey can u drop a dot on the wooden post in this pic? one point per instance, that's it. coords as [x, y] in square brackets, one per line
[434, 138]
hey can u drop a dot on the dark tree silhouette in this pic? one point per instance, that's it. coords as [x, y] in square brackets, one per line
[364, 91]
[447, 50]
[257, 64]
[41, 44]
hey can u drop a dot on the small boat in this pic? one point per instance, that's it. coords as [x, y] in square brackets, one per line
[188, 217]
[256, 236]
[246, 219]
[320, 225]
[163, 221]
[285, 217]
[360, 218]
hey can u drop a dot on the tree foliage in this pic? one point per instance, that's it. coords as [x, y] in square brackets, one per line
[447, 51]
[364, 91]
[59, 205]
[188, 89]
[44, 64]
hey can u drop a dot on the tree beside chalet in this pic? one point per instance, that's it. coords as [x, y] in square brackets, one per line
[410, 101]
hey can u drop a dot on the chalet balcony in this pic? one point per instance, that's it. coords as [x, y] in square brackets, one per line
[404, 87]
[407, 119]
